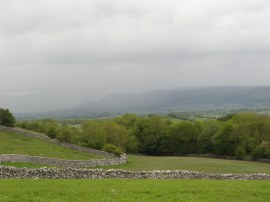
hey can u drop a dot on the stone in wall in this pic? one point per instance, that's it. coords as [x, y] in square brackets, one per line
[61, 162]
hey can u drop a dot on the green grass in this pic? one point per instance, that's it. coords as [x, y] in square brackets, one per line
[12, 143]
[107, 190]
[193, 164]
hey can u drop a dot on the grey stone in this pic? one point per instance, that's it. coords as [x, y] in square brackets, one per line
[7, 172]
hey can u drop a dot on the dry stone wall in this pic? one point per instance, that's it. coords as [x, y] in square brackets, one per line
[7, 172]
[61, 162]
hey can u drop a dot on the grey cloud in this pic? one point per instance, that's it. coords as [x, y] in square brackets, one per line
[93, 48]
[94, 31]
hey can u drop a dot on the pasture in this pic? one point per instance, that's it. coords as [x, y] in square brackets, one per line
[133, 190]
[209, 165]
[12, 143]
[130, 189]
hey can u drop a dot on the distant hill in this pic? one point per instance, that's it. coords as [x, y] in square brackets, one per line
[193, 99]
[156, 100]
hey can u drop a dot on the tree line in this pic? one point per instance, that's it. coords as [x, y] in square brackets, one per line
[242, 135]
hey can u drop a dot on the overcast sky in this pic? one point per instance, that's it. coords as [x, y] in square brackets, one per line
[100, 47]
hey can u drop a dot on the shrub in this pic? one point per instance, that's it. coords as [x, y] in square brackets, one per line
[258, 152]
[240, 152]
[267, 153]
[112, 149]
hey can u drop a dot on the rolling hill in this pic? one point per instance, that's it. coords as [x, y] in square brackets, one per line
[164, 101]
[197, 97]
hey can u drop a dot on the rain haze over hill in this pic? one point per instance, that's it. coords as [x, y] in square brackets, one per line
[57, 55]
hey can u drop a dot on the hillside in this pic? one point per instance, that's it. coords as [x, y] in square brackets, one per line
[12, 143]
[185, 99]
[164, 101]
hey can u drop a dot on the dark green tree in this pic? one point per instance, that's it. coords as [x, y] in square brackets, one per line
[6, 118]
[150, 132]
[183, 138]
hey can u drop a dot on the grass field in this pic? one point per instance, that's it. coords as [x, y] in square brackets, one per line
[18, 144]
[193, 164]
[179, 163]
[133, 190]
[106, 190]
[12, 143]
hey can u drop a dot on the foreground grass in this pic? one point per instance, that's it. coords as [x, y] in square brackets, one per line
[193, 164]
[12, 143]
[133, 190]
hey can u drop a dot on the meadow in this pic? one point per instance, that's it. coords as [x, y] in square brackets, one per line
[133, 190]
[12, 143]
[22, 190]
[209, 165]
